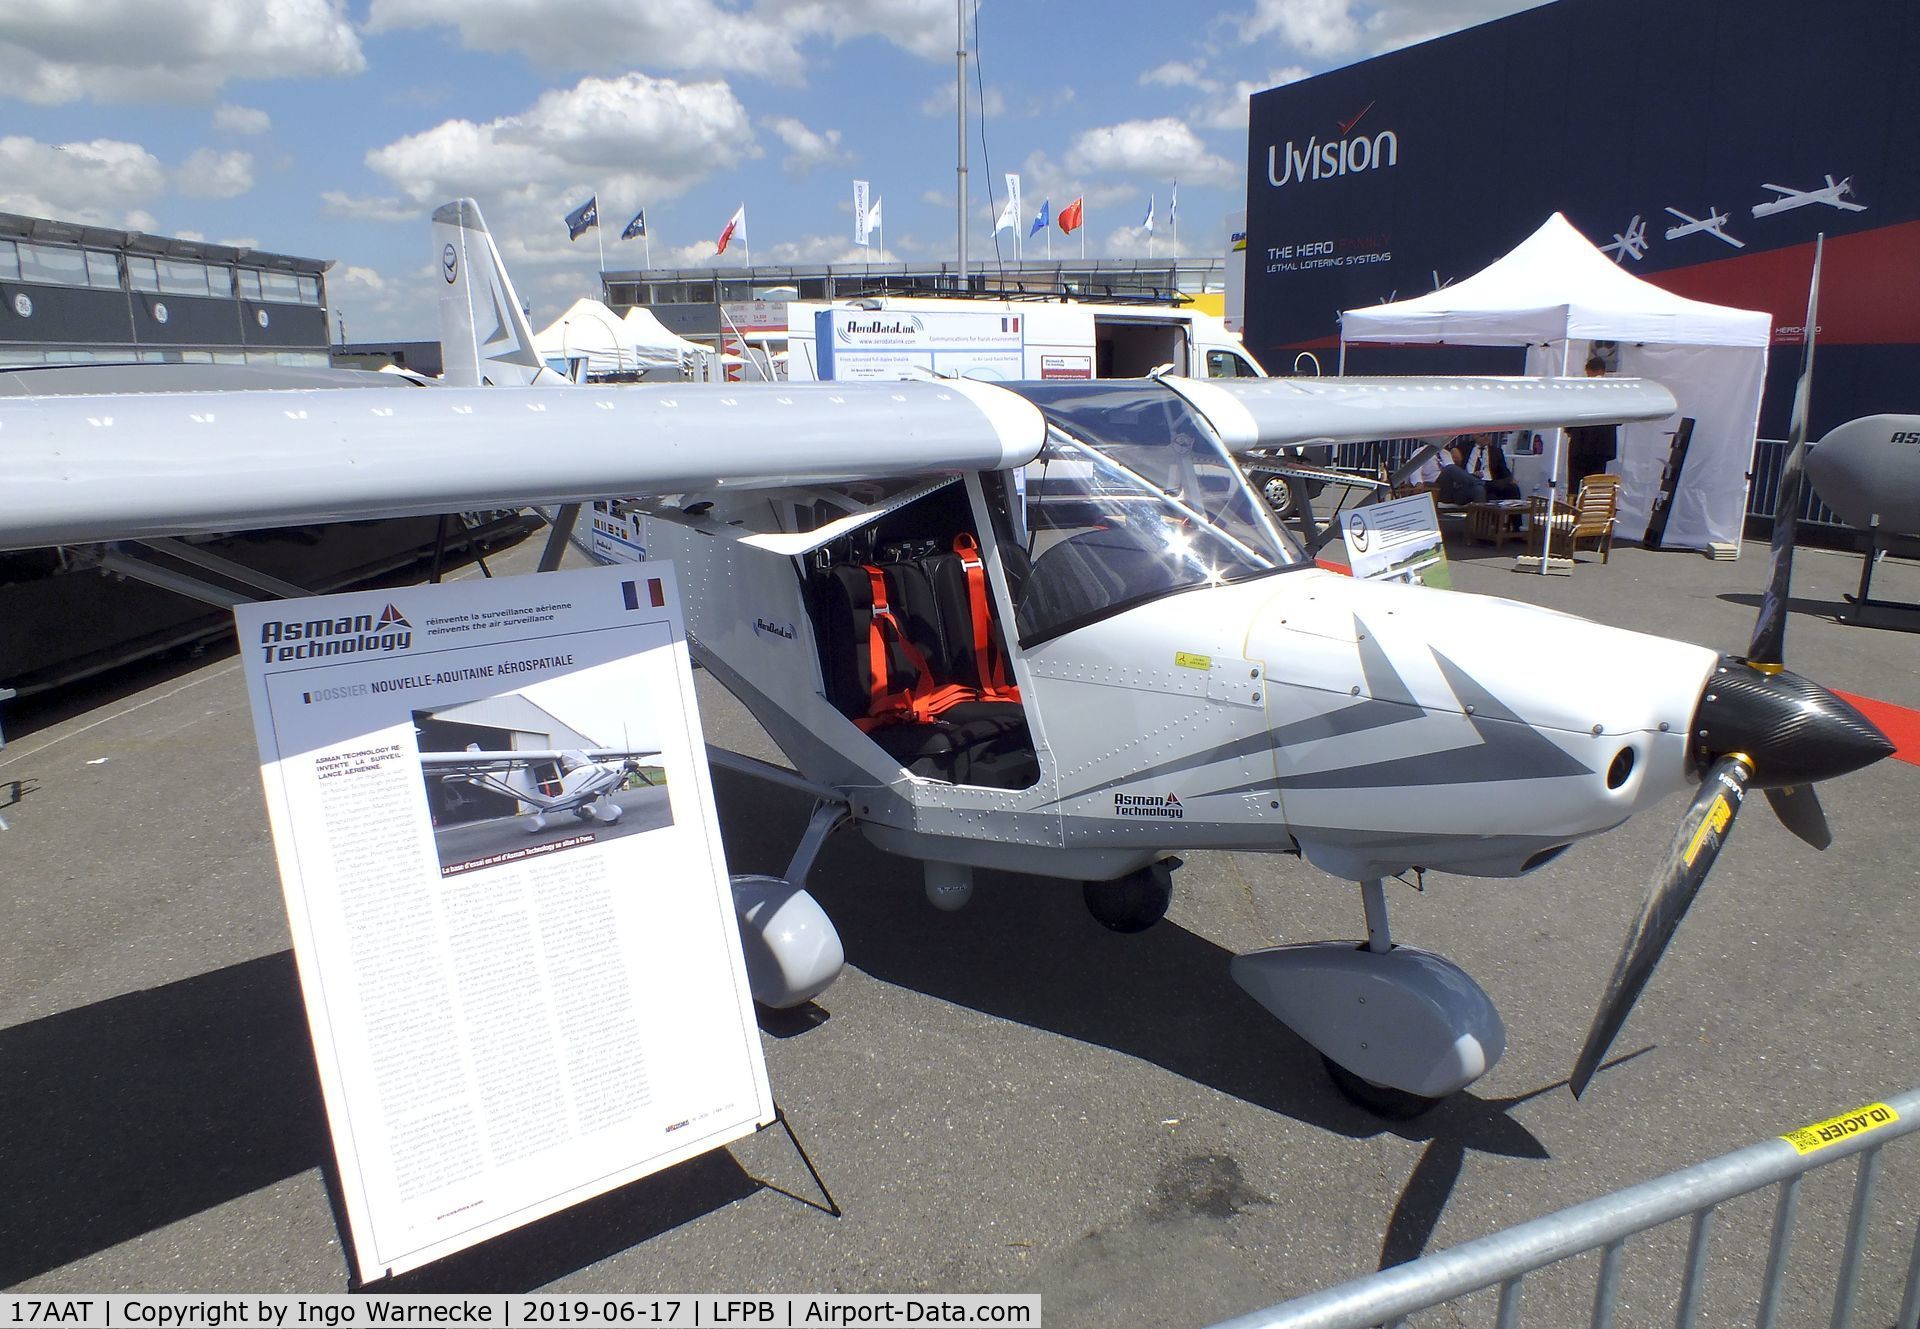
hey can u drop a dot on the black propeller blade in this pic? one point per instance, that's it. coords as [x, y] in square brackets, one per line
[1756, 724]
[1702, 831]
[1799, 810]
[1769, 642]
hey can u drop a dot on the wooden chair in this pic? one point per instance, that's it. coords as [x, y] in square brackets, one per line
[1589, 517]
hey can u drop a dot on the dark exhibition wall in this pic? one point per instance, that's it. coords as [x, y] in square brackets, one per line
[1382, 179]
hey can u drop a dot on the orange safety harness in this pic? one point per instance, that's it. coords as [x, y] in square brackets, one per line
[925, 700]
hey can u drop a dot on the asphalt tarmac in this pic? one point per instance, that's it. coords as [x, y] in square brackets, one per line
[1008, 1098]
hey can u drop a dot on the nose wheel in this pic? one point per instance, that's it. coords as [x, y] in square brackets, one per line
[1399, 1028]
[1135, 902]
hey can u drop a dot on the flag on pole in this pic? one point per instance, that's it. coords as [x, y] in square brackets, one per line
[583, 218]
[1173, 207]
[1040, 219]
[862, 218]
[1071, 216]
[637, 227]
[1009, 217]
[873, 217]
[1147, 225]
[736, 226]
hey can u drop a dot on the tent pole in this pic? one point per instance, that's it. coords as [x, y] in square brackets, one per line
[1343, 355]
[1553, 468]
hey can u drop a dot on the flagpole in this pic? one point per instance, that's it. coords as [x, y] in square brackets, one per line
[599, 242]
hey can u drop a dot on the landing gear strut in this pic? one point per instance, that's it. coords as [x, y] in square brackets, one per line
[1135, 902]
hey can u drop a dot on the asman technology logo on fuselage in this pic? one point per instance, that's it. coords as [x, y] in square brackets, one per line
[1148, 805]
[286, 640]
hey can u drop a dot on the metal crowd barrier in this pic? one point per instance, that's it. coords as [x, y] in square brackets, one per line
[1504, 1259]
[1763, 490]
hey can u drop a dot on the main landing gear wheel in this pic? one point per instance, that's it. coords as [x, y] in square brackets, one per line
[1379, 1099]
[1135, 902]
[1279, 496]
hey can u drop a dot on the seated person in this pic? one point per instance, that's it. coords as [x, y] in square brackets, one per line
[1446, 477]
[1488, 461]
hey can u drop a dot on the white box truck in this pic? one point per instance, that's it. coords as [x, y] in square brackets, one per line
[916, 337]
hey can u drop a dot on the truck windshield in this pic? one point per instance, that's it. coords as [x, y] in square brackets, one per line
[1133, 498]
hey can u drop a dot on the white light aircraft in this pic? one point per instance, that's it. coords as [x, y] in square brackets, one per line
[1708, 225]
[1629, 244]
[1834, 195]
[588, 779]
[1050, 628]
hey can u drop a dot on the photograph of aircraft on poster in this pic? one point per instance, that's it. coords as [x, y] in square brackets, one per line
[504, 776]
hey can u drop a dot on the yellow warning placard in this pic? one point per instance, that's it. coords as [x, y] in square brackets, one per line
[1188, 660]
[1833, 1130]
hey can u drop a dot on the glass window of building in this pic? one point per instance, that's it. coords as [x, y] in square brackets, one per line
[699, 293]
[182, 277]
[143, 274]
[309, 289]
[280, 287]
[52, 265]
[9, 260]
[103, 269]
[249, 284]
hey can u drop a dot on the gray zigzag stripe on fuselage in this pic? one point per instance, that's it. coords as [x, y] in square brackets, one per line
[1391, 702]
[1509, 749]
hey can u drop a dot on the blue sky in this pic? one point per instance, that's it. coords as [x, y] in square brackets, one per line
[331, 129]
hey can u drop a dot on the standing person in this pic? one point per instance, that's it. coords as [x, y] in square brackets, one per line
[1591, 447]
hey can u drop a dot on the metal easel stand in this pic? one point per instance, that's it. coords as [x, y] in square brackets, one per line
[1864, 601]
[832, 1206]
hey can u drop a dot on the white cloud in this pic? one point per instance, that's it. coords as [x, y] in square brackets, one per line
[387, 209]
[764, 40]
[1178, 74]
[210, 174]
[1328, 28]
[55, 51]
[923, 27]
[97, 181]
[634, 136]
[939, 103]
[231, 119]
[354, 279]
[807, 149]
[605, 34]
[1164, 148]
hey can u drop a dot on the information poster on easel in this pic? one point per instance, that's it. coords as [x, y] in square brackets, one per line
[509, 905]
[1397, 541]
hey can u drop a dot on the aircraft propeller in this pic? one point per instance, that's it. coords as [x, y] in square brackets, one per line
[1756, 725]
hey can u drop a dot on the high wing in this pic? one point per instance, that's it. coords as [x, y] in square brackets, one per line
[1265, 413]
[475, 763]
[80, 469]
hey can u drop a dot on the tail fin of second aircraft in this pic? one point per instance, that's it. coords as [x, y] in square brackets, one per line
[484, 333]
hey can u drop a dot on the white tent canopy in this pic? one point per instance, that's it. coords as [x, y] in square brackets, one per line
[648, 333]
[610, 344]
[1556, 293]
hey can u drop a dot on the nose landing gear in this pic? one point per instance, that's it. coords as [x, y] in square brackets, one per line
[1399, 1028]
[1135, 902]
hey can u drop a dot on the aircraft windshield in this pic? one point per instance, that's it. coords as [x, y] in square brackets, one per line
[1133, 498]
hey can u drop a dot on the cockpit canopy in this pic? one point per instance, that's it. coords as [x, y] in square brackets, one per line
[1132, 498]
